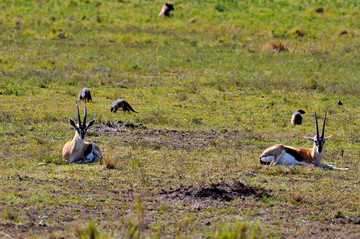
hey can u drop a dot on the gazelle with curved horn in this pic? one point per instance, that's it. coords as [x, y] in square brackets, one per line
[280, 154]
[78, 150]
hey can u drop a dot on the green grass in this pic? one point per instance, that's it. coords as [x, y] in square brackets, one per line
[228, 81]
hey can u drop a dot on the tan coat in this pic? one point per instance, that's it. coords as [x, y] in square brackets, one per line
[74, 151]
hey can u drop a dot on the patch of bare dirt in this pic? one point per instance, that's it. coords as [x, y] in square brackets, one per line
[221, 191]
[10, 228]
[140, 135]
[120, 124]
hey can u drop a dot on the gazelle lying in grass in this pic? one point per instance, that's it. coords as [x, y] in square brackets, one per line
[78, 150]
[280, 154]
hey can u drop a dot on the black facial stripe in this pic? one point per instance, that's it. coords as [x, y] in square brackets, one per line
[319, 142]
[320, 148]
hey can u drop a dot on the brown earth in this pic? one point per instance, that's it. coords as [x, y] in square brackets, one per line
[217, 191]
[140, 135]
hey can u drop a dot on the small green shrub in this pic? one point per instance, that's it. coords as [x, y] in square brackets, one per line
[91, 232]
[297, 32]
[10, 215]
[240, 230]
[220, 7]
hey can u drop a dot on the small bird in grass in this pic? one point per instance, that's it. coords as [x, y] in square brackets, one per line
[296, 118]
[85, 95]
[123, 104]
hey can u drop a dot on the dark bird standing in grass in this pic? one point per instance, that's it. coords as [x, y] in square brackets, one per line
[297, 118]
[85, 95]
[120, 103]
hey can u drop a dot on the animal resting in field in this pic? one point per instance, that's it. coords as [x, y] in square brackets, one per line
[166, 9]
[280, 154]
[85, 95]
[78, 150]
[123, 104]
[296, 118]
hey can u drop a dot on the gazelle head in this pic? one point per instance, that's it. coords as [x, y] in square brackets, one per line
[81, 128]
[319, 141]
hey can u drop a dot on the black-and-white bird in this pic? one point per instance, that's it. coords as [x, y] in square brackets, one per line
[296, 118]
[123, 104]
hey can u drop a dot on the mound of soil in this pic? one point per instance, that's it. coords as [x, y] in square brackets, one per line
[220, 191]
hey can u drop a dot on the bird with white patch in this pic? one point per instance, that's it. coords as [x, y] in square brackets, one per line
[296, 118]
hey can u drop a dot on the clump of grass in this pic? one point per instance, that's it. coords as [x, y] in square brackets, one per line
[130, 230]
[275, 46]
[91, 231]
[251, 49]
[310, 84]
[197, 121]
[14, 91]
[10, 215]
[6, 116]
[238, 230]
[298, 197]
[265, 198]
[181, 96]
[220, 7]
[110, 163]
[297, 32]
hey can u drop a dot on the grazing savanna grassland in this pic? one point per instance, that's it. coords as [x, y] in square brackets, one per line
[213, 92]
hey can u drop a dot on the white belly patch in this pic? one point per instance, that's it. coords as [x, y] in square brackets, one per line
[267, 159]
[288, 159]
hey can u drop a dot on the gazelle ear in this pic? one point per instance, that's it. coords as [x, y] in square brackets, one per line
[90, 124]
[72, 123]
[309, 138]
[326, 138]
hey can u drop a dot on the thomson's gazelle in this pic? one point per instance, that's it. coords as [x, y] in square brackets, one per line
[78, 150]
[280, 154]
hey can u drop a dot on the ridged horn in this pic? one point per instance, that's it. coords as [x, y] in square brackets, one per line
[323, 127]
[316, 126]
[78, 114]
[85, 114]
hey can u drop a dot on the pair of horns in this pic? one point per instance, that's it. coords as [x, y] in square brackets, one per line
[78, 114]
[317, 128]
